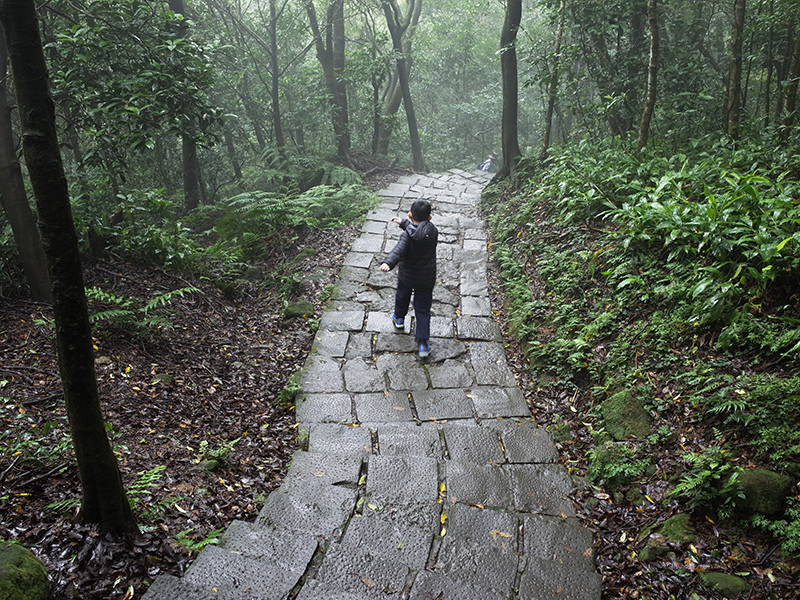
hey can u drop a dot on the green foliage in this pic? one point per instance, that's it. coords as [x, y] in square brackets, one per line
[146, 229]
[189, 539]
[28, 441]
[786, 529]
[254, 220]
[710, 481]
[220, 453]
[286, 171]
[128, 314]
[770, 408]
[615, 465]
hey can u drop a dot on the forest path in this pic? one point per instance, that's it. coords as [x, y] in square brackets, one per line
[420, 478]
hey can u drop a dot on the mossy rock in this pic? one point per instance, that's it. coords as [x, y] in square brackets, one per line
[22, 575]
[765, 492]
[677, 529]
[727, 586]
[625, 416]
[301, 308]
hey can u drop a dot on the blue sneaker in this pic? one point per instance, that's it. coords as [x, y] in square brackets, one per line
[398, 323]
[424, 349]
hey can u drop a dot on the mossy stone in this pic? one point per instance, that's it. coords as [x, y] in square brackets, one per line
[677, 529]
[22, 575]
[765, 492]
[727, 586]
[298, 309]
[624, 416]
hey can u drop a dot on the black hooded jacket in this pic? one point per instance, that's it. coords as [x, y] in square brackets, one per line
[415, 253]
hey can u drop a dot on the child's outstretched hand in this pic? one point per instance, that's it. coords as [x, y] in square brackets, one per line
[397, 220]
[384, 267]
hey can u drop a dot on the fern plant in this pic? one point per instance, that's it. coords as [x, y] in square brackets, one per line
[128, 315]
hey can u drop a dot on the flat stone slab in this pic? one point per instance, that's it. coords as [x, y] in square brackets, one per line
[400, 480]
[379, 536]
[524, 441]
[452, 373]
[409, 439]
[383, 407]
[217, 568]
[484, 485]
[362, 375]
[473, 444]
[330, 343]
[405, 372]
[494, 402]
[323, 515]
[324, 408]
[368, 244]
[314, 468]
[338, 439]
[442, 404]
[359, 259]
[476, 306]
[322, 374]
[342, 320]
[542, 489]
[282, 548]
[478, 328]
[489, 364]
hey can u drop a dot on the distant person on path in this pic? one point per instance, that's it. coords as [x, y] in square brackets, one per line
[415, 252]
[486, 165]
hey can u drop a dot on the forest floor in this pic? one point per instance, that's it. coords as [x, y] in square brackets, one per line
[210, 383]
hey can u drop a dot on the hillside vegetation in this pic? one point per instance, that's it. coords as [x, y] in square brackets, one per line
[654, 296]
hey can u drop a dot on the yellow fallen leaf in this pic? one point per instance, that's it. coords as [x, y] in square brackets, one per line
[495, 533]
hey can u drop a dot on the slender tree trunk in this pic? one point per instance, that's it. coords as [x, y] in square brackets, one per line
[394, 93]
[191, 167]
[508, 64]
[330, 53]
[552, 90]
[790, 93]
[734, 96]
[274, 71]
[652, 77]
[14, 198]
[396, 28]
[104, 500]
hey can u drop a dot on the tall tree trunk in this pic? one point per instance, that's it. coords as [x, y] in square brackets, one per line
[508, 65]
[652, 77]
[103, 500]
[330, 53]
[14, 198]
[790, 93]
[394, 93]
[397, 26]
[552, 88]
[274, 72]
[734, 91]
[191, 166]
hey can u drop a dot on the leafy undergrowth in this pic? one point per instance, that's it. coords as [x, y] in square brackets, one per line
[591, 309]
[214, 385]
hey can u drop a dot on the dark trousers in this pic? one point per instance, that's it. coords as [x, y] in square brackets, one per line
[423, 299]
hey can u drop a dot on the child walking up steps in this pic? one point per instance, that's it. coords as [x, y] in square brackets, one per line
[415, 254]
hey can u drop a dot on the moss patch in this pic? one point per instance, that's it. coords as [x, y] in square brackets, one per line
[765, 492]
[22, 575]
[624, 416]
[728, 586]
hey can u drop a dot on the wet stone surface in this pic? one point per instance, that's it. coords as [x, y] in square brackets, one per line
[417, 477]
